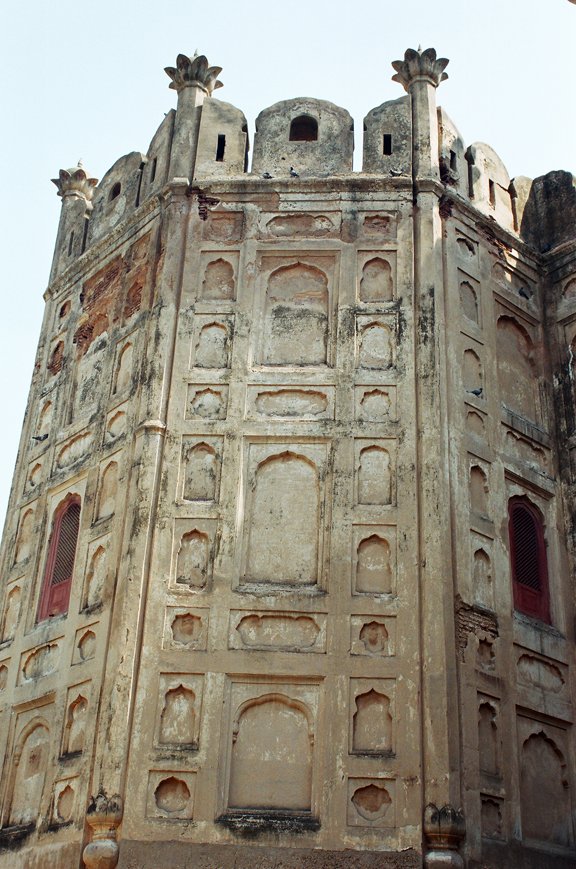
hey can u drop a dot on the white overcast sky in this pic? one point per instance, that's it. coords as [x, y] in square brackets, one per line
[84, 79]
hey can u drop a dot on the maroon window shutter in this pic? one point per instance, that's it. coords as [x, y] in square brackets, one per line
[60, 562]
[529, 562]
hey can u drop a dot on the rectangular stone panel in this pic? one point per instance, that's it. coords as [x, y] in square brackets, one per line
[290, 402]
[277, 631]
[286, 514]
[185, 629]
[375, 403]
[206, 401]
[371, 802]
[373, 635]
[171, 794]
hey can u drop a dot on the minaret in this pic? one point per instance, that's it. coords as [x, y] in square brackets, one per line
[76, 187]
[193, 80]
[420, 73]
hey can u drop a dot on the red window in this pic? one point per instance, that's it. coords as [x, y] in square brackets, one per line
[528, 556]
[60, 562]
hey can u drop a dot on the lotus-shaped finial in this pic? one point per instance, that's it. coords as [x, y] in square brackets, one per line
[194, 71]
[75, 182]
[420, 65]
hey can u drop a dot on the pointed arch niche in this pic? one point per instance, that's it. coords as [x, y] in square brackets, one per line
[517, 371]
[283, 520]
[29, 773]
[296, 314]
[271, 759]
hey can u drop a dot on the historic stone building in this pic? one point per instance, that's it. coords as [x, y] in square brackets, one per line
[287, 574]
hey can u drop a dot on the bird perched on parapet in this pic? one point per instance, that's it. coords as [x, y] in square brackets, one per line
[395, 173]
[293, 172]
[522, 291]
[476, 392]
[266, 175]
[39, 438]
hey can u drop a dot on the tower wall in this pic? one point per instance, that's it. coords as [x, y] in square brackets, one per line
[297, 414]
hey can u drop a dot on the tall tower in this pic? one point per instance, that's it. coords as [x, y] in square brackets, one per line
[287, 573]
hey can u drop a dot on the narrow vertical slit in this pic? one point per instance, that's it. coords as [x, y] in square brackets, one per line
[220, 148]
[387, 144]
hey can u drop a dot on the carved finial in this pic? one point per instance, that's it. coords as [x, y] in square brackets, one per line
[420, 65]
[194, 71]
[444, 828]
[75, 182]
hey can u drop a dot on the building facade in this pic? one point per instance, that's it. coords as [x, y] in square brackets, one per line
[287, 572]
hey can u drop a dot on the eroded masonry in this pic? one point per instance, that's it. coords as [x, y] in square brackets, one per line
[287, 574]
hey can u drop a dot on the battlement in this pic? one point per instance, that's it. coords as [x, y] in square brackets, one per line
[206, 140]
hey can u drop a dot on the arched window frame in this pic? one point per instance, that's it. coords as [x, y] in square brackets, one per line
[303, 128]
[55, 598]
[530, 601]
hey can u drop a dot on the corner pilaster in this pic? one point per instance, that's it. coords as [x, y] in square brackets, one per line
[76, 187]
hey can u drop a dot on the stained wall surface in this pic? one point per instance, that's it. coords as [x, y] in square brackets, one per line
[295, 414]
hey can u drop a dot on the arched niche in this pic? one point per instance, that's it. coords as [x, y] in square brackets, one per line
[478, 491]
[201, 473]
[472, 373]
[272, 747]
[544, 792]
[375, 346]
[469, 301]
[218, 281]
[376, 282]
[482, 578]
[517, 376]
[44, 419]
[192, 561]
[284, 521]
[178, 717]
[11, 613]
[95, 577]
[212, 346]
[123, 374]
[488, 749]
[75, 726]
[374, 476]
[108, 491]
[373, 566]
[296, 316]
[29, 773]
[24, 538]
[372, 723]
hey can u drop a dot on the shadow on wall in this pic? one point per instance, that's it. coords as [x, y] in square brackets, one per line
[549, 214]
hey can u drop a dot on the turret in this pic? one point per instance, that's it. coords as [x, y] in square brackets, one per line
[193, 80]
[420, 73]
[76, 187]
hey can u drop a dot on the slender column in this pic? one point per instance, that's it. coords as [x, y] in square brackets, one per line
[76, 188]
[194, 81]
[420, 73]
